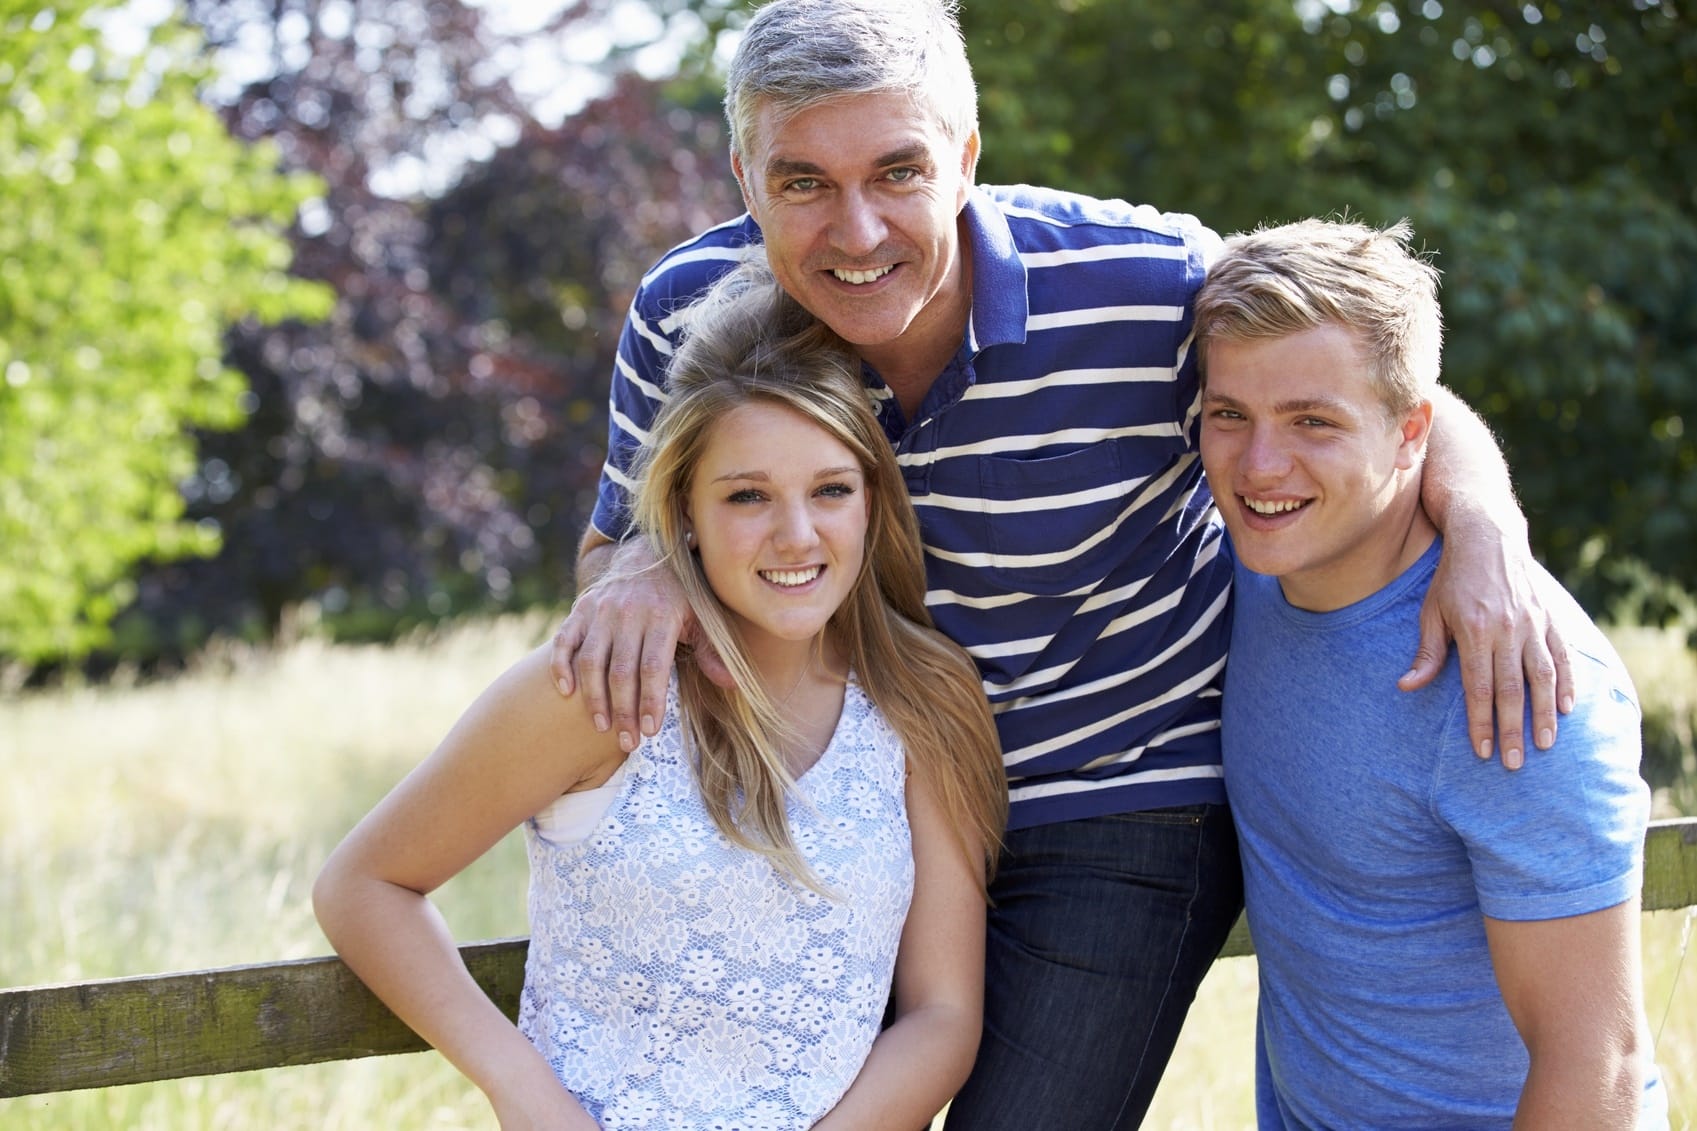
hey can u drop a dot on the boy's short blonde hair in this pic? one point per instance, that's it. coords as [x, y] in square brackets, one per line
[1275, 282]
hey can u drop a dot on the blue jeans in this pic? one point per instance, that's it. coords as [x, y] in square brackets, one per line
[1101, 931]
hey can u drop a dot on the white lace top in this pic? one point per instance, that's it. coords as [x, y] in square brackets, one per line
[677, 981]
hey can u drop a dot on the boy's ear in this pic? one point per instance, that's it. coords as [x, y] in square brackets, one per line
[1416, 427]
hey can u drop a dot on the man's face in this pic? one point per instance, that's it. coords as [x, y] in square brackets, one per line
[1313, 479]
[858, 199]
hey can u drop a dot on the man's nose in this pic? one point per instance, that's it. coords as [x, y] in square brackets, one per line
[858, 228]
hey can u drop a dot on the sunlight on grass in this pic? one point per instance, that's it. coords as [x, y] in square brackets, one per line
[179, 825]
[1209, 1084]
[1664, 671]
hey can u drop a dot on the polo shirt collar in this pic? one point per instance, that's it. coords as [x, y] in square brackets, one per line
[999, 300]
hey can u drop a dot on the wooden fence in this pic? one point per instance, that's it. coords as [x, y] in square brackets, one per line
[132, 1030]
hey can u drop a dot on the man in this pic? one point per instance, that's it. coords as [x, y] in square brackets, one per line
[1389, 876]
[1028, 351]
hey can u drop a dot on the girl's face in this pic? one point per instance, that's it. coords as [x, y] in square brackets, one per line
[779, 509]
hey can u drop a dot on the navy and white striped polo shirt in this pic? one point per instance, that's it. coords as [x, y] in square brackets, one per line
[1070, 542]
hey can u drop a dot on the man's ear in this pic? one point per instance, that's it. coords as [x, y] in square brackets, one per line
[1416, 427]
[741, 175]
[968, 167]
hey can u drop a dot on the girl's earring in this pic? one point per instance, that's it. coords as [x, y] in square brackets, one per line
[689, 539]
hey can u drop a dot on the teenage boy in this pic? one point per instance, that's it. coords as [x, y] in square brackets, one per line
[1440, 944]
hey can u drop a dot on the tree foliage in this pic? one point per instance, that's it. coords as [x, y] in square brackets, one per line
[1198, 106]
[432, 446]
[1544, 149]
[133, 228]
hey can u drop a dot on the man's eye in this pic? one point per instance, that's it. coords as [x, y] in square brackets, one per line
[802, 184]
[902, 175]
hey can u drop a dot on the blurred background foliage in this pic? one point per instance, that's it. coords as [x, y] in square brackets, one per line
[133, 229]
[307, 306]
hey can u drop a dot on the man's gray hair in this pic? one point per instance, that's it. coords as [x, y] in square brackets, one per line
[796, 54]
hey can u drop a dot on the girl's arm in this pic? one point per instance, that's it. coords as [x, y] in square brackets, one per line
[917, 1064]
[518, 747]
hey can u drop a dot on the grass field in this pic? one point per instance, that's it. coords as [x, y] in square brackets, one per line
[178, 825]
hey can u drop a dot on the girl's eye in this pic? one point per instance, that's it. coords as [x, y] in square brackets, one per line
[837, 490]
[746, 495]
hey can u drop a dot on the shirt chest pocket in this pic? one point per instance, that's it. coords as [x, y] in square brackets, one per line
[1051, 524]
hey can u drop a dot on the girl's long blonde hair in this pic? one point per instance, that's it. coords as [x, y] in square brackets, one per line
[747, 341]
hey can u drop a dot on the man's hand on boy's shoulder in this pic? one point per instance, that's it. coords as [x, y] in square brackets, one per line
[1485, 597]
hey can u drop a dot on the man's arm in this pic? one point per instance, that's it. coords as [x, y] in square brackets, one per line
[1572, 987]
[594, 555]
[1484, 594]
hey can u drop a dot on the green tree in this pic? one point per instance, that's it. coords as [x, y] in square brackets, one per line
[1199, 106]
[133, 231]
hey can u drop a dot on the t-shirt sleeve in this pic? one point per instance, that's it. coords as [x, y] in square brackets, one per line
[1564, 835]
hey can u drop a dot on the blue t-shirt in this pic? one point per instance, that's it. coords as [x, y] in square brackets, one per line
[1374, 842]
[1070, 543]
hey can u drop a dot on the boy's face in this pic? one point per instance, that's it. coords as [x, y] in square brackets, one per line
[1317, 485]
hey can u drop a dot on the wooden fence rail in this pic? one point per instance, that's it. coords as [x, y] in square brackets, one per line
[131, 1030]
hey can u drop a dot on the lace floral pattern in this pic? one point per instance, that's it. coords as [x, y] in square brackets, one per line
[678, 982]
